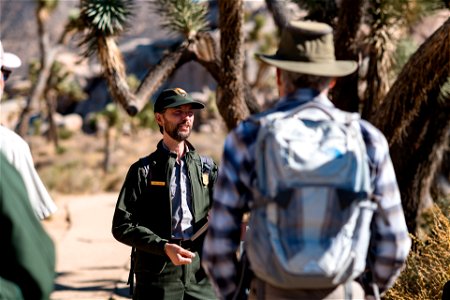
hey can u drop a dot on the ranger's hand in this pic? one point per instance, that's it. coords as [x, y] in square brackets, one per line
[178, 256]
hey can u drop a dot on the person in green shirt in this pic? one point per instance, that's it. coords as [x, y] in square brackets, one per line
[162, 209]
[27, 263]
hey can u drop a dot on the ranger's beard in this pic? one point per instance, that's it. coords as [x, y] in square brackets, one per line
[175, 133]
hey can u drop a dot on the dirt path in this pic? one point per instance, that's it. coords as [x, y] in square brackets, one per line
[90, 263]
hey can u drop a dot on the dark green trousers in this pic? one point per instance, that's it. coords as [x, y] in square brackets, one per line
[175, 283]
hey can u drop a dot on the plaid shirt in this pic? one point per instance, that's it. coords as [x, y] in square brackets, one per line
[390, 242]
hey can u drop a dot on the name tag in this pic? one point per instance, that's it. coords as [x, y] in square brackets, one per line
[158, 183]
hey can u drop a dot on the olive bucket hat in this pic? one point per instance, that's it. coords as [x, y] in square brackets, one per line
[307, 47]
[173, 98]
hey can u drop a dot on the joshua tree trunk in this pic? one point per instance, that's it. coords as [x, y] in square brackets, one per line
[381, 49]
[159, 73]
[230, 98]
[345, 92]
[206, 53]
[201, 48]
[50, 101]
[415, 119]
[279, 12]
[47, 59]
[109, 147]
[114, 70]
[418, 158]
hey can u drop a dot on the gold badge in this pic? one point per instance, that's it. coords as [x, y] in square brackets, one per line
[205, 179]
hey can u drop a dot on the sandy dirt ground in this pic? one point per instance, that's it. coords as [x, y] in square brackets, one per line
[91, 264]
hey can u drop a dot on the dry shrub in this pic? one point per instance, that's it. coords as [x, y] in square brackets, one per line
[71, 177]
[428, 265]
[79, 169]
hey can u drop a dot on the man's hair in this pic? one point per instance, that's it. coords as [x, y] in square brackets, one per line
[161, 129]
[293, 81]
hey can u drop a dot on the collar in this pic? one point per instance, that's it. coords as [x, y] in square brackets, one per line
[301, 96]
[161, 146]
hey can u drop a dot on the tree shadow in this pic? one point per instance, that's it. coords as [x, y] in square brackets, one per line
[113, 286]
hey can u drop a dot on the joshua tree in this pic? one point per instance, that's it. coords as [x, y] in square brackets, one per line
[48, 53]
[197, 44]
[105, 20]
[231, 87]
[345, 92]
[414, 118]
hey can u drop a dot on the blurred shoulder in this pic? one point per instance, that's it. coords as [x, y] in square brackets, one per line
[9, 135]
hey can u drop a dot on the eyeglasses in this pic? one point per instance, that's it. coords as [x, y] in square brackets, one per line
[5, 73]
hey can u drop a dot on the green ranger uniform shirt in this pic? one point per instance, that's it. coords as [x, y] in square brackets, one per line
[143, 213]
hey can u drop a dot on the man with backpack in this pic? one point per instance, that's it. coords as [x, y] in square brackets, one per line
[326, 220]
[162, 209]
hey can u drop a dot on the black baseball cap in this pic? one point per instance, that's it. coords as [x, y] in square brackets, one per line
[173, 98]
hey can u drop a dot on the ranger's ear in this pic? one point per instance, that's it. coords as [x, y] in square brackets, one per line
[158, 118]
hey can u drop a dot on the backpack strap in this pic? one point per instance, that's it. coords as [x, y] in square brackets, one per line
[207, 164]
[333, 113]
[130, 280]
[208, 170]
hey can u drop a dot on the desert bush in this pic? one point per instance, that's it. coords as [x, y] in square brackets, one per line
[428, 265]
[64, 133]
[71, 177]
[146, 118]
[79, 168]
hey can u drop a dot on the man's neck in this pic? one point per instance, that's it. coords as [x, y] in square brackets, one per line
[175, 146]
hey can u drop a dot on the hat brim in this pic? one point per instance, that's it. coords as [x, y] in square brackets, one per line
[11, 61]
[193, 103]
[177, 100]
[337, 68]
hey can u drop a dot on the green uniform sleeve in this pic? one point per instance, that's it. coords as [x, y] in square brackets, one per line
[125, 227]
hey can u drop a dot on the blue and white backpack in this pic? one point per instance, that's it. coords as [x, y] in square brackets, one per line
[310, 225]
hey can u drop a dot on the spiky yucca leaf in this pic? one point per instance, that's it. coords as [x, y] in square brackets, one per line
[108, 17]
[103, 18]
[186, 17]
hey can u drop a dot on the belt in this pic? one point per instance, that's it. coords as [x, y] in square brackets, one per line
[186, 244]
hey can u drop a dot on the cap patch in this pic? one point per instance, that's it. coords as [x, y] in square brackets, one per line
[180, 92]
